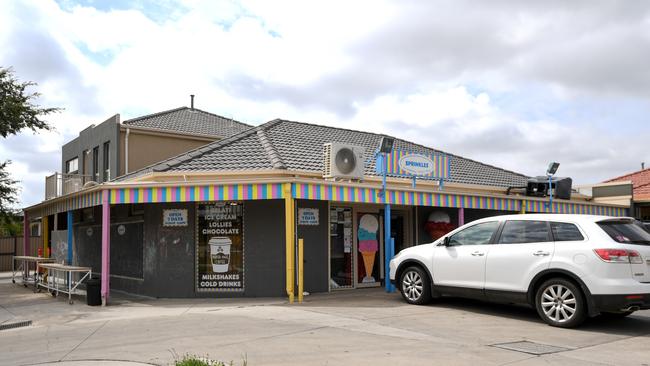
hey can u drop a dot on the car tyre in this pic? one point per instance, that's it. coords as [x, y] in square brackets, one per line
[415, 286]
[560, 303]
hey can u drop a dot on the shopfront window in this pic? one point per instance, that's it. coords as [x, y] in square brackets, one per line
[220, 247]
[341, 248]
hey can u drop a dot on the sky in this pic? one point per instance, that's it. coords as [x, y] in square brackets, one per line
[516, 84]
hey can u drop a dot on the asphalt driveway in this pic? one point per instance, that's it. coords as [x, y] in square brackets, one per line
[361, 327]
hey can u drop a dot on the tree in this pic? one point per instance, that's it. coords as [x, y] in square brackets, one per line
[8, 190]
[17, 112]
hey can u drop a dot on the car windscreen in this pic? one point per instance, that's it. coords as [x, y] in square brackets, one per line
[626, 231]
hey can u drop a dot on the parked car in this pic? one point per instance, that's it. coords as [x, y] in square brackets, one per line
[567, 267]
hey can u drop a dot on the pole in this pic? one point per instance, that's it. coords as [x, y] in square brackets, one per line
[69, 220]
[550, 194]
[461, 216]
[46, 236]
[301, 269]
[289, 241]
[387, 230]
[392, 254]
[26, 246]
[106, 247]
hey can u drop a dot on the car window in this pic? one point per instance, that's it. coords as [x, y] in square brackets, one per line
[520, 231]
[626, 231]
[475, 235]
[563, 231]
[646, 226]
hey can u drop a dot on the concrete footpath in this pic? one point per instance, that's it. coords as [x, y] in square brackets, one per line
[361, 327]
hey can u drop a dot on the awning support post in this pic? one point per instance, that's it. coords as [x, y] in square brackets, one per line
[290, 241]
[69, 220]
[26, 246]
[301, 269]
[46, 235]
[106, 247]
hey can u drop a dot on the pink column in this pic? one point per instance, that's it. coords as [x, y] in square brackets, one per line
[26, 246]
[106, 246]
[461, 216]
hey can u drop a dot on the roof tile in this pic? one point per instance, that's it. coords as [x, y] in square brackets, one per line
[298, 146]
[192, 121]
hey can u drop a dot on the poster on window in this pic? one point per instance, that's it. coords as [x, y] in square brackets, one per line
[220, 247]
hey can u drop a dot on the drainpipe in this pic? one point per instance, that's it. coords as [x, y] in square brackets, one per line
[126, 151]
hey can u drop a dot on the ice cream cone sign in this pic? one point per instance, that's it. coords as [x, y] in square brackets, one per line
[368, 246]
[438, 224]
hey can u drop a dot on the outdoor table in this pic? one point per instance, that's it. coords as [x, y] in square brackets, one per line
[61, 278]
[25, 268]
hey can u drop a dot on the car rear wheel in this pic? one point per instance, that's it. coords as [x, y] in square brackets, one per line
[560, 303]
[415, 286]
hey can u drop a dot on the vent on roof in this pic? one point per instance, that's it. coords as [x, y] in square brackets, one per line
[343, 161]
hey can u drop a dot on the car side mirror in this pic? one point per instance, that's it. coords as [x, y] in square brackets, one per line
[446, 242]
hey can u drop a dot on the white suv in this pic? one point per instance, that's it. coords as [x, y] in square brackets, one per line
[567, 267]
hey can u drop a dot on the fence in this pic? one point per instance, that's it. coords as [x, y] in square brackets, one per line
[11, 246]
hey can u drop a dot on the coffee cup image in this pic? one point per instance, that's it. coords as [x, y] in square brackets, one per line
[220, 253]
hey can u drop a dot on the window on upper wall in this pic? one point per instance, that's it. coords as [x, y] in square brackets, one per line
[96, 163]
[72, 166]
[107, 161]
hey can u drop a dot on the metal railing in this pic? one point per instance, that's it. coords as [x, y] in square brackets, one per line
[59, 184]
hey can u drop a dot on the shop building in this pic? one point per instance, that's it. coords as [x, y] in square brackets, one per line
[113, 148]
[631, 189]
[225, 219]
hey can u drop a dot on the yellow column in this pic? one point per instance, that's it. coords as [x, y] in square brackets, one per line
[523, 207]
[46, 236]
[290, 240]
[301, 269]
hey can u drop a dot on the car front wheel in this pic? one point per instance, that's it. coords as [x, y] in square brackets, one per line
[560, 303]
[415, 286]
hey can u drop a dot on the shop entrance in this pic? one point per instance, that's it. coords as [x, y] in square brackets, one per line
[357, 245]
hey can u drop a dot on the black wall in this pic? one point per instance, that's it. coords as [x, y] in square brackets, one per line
[169, 253]
[316, 247]
[157, 261]
[264, 248]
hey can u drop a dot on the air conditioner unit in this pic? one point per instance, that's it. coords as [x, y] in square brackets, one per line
[343, 161]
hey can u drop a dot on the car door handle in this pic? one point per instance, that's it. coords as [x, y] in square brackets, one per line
[478, 254]
[541, 253]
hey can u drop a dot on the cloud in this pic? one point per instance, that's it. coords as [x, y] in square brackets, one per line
[514, 84]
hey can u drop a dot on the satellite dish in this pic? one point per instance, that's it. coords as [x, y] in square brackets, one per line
[345, 160]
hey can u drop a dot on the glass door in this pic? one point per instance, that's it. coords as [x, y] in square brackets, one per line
[341, 248]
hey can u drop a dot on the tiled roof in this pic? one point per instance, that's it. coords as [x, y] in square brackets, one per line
[640, 183]
[298, 146]
[190, 120]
